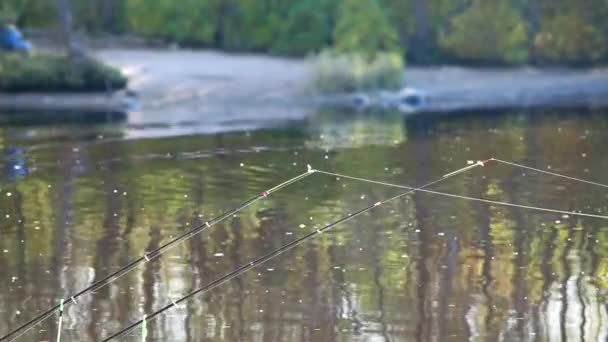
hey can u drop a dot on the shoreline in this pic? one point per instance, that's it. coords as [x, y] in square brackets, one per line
[207, 81]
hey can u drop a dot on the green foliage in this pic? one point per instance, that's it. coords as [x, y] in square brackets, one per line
[362, 27]
[335, 73]
[26, 12]
[251, 25]
[574, 33]
[473, 35]
[43, 72]
[306, 29]
[475, 31]
[8, 13]
[183, 21]
[101, 15]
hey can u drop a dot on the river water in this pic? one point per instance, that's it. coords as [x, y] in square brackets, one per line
[78, 201]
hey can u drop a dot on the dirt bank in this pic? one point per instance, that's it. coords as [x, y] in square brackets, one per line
[193, 79]
[169, 78]
[456, 88]
[210, 91]
[216, 89]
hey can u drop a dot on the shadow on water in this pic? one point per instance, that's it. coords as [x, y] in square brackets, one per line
[77, 202]
[52, 118]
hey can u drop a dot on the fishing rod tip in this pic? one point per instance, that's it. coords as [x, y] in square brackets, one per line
[310, 169]
[480, 162]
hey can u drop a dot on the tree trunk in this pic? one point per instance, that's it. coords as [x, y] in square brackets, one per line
[66, 20]
[108, 24]
[420, 49]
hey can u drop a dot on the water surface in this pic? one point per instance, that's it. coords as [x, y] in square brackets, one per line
[79, 201]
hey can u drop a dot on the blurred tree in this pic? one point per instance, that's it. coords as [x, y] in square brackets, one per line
[254, 24]
[431, 31]
[399, 12]
[421, 38]
[472, 35]
[184, 21]
[101, 15]
[362, 26]
[8, 13]
[572, 31]
[418, 25]
[25, 12]
[66, 22]
[306, 29]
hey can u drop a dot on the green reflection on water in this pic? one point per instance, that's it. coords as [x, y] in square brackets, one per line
[423, 268]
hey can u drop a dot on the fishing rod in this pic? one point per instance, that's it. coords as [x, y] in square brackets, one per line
[147, 257]
[477, 199]
[158, 252]
[262, 259]
[469, 198]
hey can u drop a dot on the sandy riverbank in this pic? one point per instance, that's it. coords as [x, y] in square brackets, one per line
[185, 78]
[170, 78]
[210, 87]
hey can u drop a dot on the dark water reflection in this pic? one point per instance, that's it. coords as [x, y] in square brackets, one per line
[78, 202]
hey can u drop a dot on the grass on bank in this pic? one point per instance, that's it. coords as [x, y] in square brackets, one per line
[43, 72]
[350, 72]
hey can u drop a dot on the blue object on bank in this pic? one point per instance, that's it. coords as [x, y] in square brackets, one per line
[11, 39]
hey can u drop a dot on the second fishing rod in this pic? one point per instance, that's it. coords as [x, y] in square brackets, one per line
[273, 254]
[146, 257]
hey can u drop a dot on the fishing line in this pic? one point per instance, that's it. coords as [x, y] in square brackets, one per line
[476, 199]
[273, 254]
[163, 249]
[148, 256]
[548, 172]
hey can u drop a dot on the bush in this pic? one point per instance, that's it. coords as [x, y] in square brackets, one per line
[363, 27]
[569, 38]
[336, 73]
[474, 37]
[307, 28]
[186, 21]
[49, 73]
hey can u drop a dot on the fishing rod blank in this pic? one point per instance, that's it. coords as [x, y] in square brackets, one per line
[260, 260]
[149, 256]
[60, 321]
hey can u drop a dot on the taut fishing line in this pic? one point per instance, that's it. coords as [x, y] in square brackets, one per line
[148, 256]
[469, 198]
[273, 254]
[163, 249]
[547, 172]
[476, 199]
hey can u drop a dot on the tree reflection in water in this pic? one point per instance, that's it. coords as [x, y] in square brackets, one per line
[424, 268]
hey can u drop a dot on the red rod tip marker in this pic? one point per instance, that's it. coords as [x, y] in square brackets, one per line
[265, 193]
